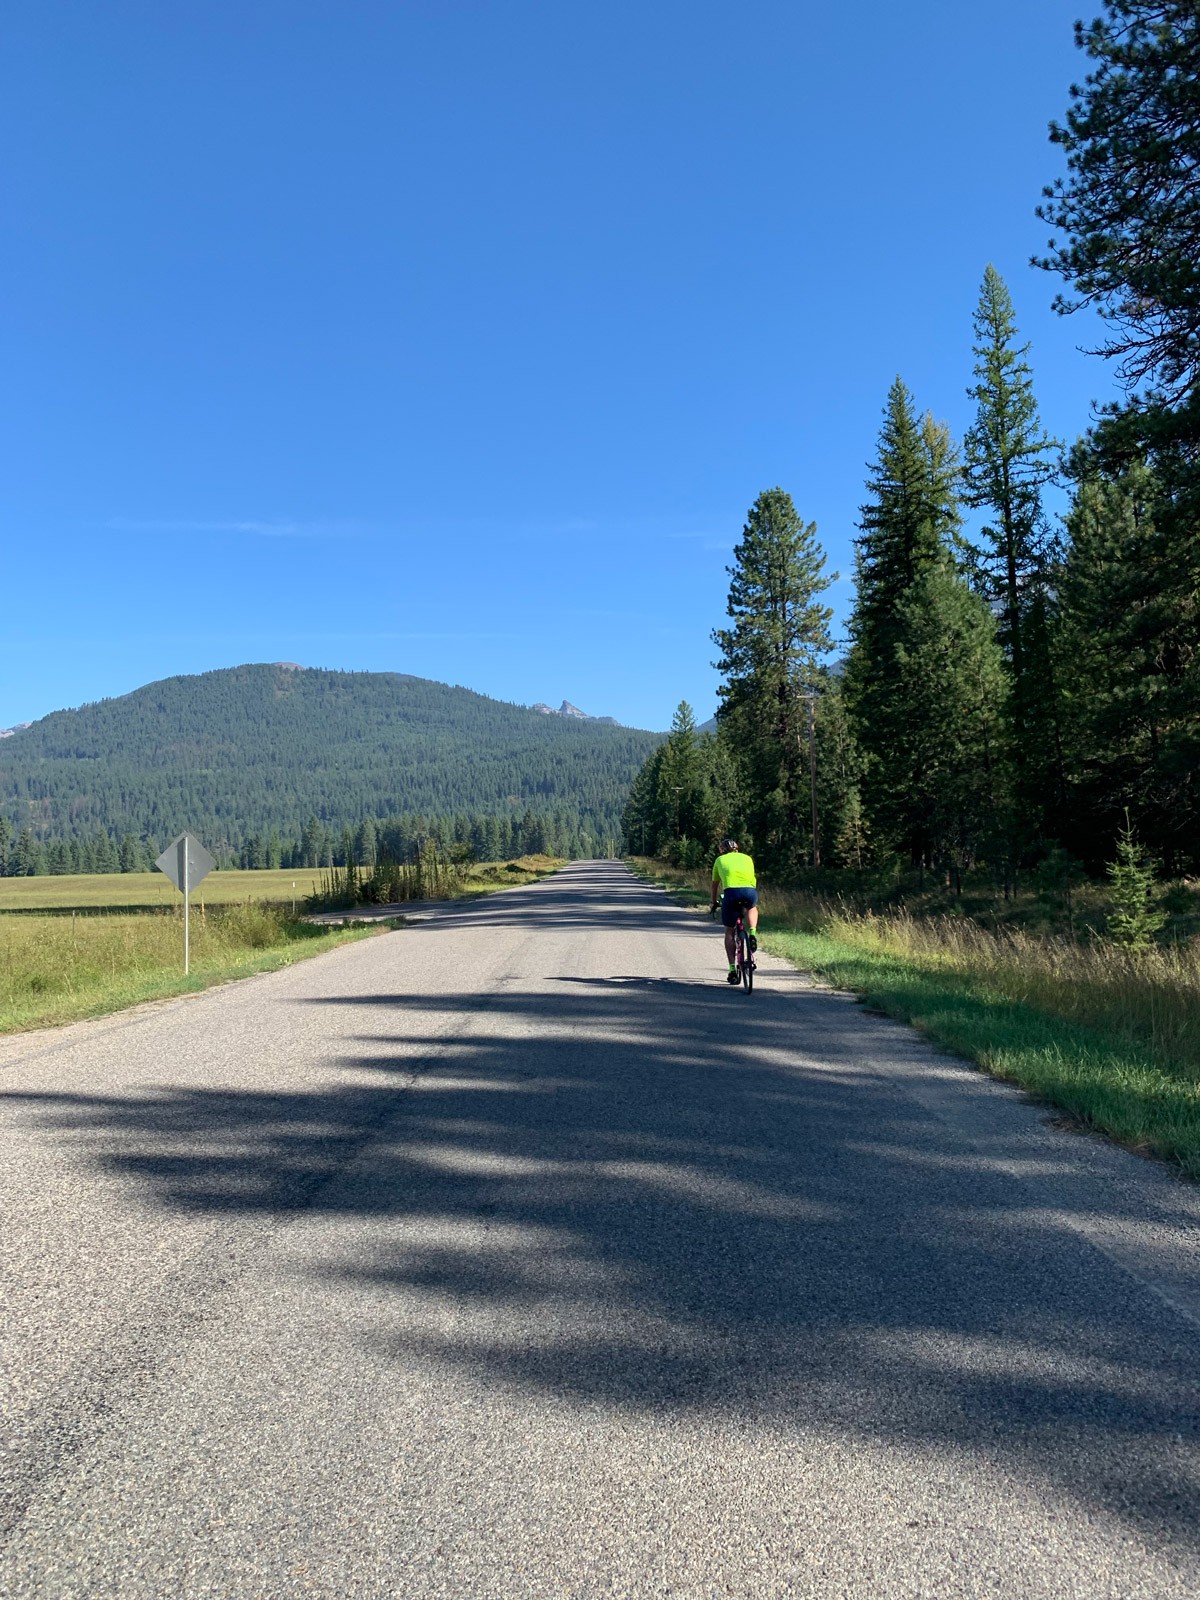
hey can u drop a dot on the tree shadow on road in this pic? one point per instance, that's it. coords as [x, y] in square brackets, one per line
[645, 1195]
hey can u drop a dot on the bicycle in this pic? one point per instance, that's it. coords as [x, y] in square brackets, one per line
[746, 966]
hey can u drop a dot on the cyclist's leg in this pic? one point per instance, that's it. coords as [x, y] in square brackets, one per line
[750, 917]
[729, 911]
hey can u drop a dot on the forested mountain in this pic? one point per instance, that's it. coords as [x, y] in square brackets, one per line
[263, 750]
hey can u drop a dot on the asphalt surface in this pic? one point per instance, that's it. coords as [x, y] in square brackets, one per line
[512, 1254]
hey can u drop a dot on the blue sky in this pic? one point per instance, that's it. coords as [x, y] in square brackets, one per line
[455, 338]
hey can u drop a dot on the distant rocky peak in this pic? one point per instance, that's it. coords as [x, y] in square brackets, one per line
[568, 710]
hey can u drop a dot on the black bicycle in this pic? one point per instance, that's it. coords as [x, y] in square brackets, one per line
[741, 951]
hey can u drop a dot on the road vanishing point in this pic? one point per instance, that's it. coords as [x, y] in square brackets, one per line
[514, 1254]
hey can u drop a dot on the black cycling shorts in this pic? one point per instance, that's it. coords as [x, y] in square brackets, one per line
[732, 900]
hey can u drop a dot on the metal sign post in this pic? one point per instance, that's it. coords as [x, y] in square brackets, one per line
[185, 861]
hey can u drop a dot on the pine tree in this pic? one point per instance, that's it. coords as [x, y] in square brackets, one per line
[6, 838]
[1007, 461]
[1130, 672]
[1127, 208]
[913, 618]
[104, 852]
[642, 823]
[58, 857]
[845, 836]
[679, 774]
[129, 854]
[25, 855]
[770, 659]
[368, 844]
[311, 841]
[911, 515]
[941, 797]
[1133, 920]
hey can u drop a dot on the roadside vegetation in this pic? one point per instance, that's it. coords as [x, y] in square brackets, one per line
[980, 809]
[75, 947]
[56, 968]
[145, 890]
[1108, 1034]
[429, 875]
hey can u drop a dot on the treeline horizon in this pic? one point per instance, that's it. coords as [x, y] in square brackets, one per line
[1023, 695]
[559, 832]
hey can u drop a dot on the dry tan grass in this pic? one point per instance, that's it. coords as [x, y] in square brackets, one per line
[55, 968]
[1149, 998]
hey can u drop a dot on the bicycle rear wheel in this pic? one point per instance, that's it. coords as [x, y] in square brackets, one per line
[747, 967]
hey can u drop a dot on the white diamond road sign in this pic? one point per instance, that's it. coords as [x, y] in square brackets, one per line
[185, 861]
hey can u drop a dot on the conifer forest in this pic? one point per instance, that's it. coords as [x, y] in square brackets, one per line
[274, 765]
[1020, 686]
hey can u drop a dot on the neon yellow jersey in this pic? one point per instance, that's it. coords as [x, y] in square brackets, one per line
[735, 871]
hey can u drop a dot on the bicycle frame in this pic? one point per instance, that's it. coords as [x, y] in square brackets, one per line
[745, 961]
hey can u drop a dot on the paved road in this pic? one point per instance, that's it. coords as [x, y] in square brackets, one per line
[513, 1255]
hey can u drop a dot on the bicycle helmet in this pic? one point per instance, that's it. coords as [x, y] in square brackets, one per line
[727, 845]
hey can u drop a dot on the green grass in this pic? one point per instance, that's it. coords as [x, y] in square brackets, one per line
[276, 886]
[85, 891]
[58, 968]
[75, 947]
[1110, 1038]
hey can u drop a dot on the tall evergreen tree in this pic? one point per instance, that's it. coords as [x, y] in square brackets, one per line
[910, 514]
[1008, 459]
[771, 659]
[679, 775]
[1129, 222]
[26, 856]
[642, 822]
[1129, 672]
[845, 835]
[311, 841]
[920, 642]
[943, 736]
[58, 857]
[104, 852]
[1127, 209]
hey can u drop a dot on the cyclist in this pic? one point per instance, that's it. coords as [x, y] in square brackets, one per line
[733, 878]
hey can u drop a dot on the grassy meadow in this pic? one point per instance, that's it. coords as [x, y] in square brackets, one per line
[1110, 1037]
[56, 968]
[88, 891]
[73, 947]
